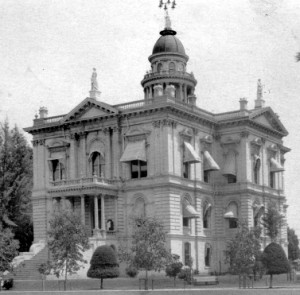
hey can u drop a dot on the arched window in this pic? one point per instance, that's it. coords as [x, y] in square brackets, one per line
[187, 253]
[207, 257]
[159, 67]
[256, 169]
[140, 207]
[258, 211]
[171, 67]
[207, 215]
[98, 164]
[110, 225]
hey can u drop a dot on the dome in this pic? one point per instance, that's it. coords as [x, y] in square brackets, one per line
[168, 43]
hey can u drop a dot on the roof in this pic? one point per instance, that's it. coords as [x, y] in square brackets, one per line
[168, 43]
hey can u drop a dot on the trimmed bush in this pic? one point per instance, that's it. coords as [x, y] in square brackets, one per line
[132, 271]
[275, 260]
[104, 264]
[185, 274]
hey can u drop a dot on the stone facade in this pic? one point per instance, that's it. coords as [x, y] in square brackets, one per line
[195, 171]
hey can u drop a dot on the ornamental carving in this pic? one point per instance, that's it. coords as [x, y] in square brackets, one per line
[156, 124]
[244, 134]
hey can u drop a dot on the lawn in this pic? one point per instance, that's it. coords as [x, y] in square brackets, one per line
[159, 282]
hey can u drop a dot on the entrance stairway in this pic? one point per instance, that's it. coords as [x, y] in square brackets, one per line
[28, 270]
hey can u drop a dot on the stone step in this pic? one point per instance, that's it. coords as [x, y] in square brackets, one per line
[29, 269]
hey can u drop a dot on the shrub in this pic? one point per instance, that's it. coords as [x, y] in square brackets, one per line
[275, 260]
[104, 264]
[185, 274]
[132, 271]
[173, 269]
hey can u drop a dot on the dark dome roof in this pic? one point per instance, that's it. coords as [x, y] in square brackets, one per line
[168, 43]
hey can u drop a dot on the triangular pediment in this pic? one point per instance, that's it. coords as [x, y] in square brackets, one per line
[269, 119]
[90, 108]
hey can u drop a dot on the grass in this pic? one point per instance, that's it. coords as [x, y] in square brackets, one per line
[160, 282]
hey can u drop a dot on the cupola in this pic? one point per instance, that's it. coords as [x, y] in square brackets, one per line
[168, 75]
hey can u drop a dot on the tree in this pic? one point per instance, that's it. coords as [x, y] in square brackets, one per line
[298, 56]
[104, 264]
[273, 222]
[148, 248]
[275, 261]
[293, 246]
[16, 184]
[174, 268]
[8, 248]
[242, 251]
[68, 238]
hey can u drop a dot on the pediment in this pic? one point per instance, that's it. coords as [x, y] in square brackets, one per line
[90, 108]
[269, 119]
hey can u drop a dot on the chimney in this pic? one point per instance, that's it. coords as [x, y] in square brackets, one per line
[243, 104]
[43, 111]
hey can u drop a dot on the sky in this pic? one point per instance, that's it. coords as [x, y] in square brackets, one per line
[48, 49]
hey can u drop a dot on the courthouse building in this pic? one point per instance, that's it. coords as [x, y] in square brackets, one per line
[196, 172]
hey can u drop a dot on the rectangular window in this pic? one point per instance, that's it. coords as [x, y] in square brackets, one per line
[186, 170]
[232, 223]
[138, 169]
[272, 179]
[185, 222]
[58, 170]
[231, 178]
[206, 176]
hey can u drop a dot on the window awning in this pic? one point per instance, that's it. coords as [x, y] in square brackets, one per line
[134, 151]
[190, 155]
[206, 208]
[258, 210]
[231, 212]
[209, 163]
[276, 166]
[189, 211]
[230, 164]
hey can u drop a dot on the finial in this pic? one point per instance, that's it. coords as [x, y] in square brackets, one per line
[165, 4]
[168, 21]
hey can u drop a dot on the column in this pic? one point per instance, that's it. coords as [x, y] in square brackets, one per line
[180, 92]
[72, 160]
[102, 213]
[83, 155]
[116, 214]
[185, 93]
[151, 94]
[108, 163]
[82, 211]
[96, 229]
[116, 146]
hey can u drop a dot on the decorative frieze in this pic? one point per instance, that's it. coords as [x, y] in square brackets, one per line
[164, 123]
[244, 134]
[38, 142]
